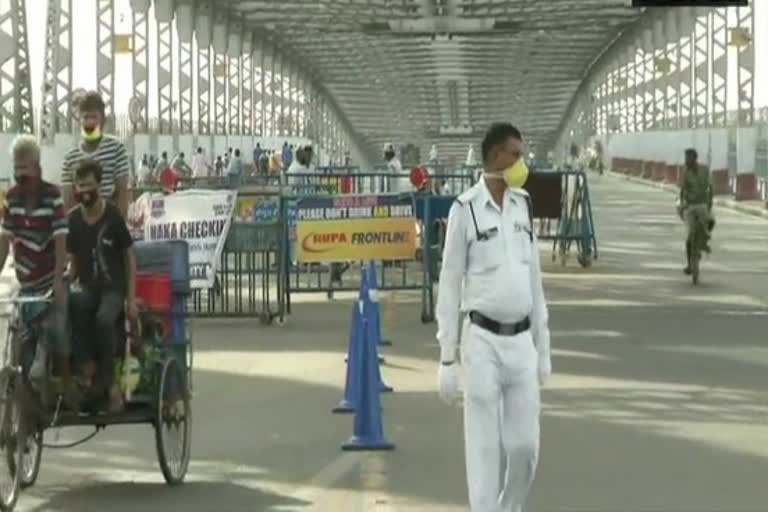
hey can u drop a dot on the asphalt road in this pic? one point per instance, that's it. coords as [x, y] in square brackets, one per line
[658, 402]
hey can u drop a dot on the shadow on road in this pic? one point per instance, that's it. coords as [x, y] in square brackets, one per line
[145, 497]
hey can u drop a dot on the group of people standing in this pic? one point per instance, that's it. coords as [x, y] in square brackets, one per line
[266, 162]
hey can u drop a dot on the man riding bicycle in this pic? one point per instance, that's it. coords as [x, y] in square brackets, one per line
[35, 223]
[695, 203]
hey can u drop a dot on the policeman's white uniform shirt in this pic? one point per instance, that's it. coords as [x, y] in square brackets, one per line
[501, 276]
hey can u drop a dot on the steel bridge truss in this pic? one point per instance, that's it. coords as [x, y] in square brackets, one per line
[213, 77]
[669, 72]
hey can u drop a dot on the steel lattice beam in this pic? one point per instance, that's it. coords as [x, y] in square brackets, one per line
[247, 85]
[105, 68]
[701, 83]
[719, 57]
[259, 107]
[164, 73]
[204, 90]
[184, 92]
[684, 66]
[745, 73]
[57, 72]
[15, 89]
[234, 98]
[141, 64]
[220, 93]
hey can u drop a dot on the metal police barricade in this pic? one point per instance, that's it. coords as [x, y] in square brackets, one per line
[247, 281]
[563, 209]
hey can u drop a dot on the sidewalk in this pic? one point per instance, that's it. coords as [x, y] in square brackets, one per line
[756, 208]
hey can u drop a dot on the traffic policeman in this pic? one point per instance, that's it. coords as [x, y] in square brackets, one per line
[491, 274]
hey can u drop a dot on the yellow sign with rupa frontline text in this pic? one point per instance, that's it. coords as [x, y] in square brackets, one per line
[356, 239]
[343, 228]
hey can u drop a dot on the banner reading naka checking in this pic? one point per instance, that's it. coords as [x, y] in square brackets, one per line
[201, 217]
[341, 228]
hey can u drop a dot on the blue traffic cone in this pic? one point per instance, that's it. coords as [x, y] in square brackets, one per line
[354, 363]
[368, 431]
[365, 295]
[372, 337]
[373, 295]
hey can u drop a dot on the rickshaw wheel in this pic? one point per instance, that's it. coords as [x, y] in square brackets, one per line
[9, 434]
[174, 419]
[30, 459]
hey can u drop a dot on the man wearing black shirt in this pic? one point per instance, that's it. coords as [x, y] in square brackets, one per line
[104, 267]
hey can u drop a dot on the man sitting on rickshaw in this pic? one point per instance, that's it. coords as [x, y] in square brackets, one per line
[104, 275]
[35, 222]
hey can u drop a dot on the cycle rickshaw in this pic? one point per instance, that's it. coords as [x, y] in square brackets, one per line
[153, 367]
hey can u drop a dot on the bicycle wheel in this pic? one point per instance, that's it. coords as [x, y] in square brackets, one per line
[32, 453]
[173, 423]
[10, 423]
[695, 257]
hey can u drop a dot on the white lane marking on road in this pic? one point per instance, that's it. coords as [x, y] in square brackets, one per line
[375, 483]
[312, 490]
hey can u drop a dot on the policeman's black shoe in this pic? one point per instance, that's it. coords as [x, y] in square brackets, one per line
[687, 270]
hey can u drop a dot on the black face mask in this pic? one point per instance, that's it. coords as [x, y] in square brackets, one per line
[87, 198]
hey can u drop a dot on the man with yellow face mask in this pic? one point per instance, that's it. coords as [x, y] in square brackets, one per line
[491, 274]
[107, 150]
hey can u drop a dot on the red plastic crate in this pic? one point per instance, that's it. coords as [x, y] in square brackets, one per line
[153, 291]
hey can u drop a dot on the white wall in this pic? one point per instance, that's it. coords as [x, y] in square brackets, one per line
[669, 146]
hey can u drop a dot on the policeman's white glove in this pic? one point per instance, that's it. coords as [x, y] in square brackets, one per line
[448, 383]
[544, 370]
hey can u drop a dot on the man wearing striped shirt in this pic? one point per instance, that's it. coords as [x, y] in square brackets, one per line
[35, 223]
[107, 150]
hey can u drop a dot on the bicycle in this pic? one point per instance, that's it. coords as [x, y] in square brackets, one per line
[21, 443]
[698, 240]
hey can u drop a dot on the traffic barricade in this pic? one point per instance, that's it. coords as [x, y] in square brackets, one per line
[247, 281]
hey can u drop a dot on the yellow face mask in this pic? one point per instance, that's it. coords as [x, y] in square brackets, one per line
[516, 175]
[92, 136]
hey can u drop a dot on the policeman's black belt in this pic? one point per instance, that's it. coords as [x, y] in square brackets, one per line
[495, 327]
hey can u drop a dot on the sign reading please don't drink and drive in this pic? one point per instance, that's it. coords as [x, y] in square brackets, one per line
[341, 228]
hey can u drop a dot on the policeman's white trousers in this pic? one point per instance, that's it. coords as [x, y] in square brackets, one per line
[501, 417]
